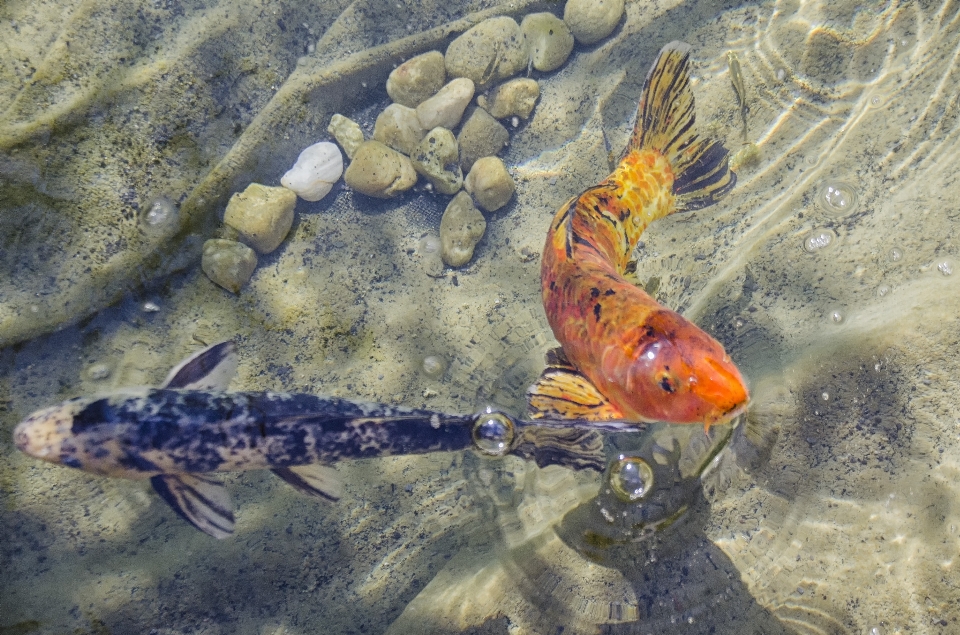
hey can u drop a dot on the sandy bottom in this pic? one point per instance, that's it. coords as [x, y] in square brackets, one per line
[849, 343]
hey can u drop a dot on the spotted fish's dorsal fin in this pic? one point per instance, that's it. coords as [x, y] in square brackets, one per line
[202, 501]
[317, 480]
[562, 392]
[209, 369]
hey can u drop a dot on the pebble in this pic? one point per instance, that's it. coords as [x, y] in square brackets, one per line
[262, 215]
[592, 20]
[480, 136]
[490, 183]
[418, 78]
[489, 52]
[317, 168]
[228, 263]
[347, 132]
[398, 127]
[445, 109]
[437, 157]
[549, 40]
[515, 98]
[461, 228]
[379, 171]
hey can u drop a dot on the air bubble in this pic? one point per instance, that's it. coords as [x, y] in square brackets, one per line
[98, 371]
[430, 244]
[895, 255]
[945, 267]
[159, 216]
[818, 239]
[631, 478]
[434, 366]
[493, 433]
[825, 396]
[781, 74]
[836, 317]
[882, 290]
[838, 198]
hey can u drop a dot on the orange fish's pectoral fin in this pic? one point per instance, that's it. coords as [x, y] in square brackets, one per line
[556, 358]
[562, 392]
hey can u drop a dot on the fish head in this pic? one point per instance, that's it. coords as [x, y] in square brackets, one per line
[80, 433]
[679, 374]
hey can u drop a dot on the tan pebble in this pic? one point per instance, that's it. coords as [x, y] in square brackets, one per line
[379, 171]
[592, 20]
[398, 127]
[480, 136]
[445, 109]
[263, 215]
[461, 228]
[549, 40]
[347, 132]
[515, 98]
[417, 79]
[490, 183]
[227, 263]
[437, 157]
[491, 51]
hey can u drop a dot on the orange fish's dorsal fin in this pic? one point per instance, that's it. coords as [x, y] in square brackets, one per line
[563, 393]
[665, 122]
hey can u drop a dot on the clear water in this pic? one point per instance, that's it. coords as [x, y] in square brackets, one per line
[829, 274]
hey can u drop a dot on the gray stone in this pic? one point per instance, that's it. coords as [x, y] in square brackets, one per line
[398, 127]
[379, 171]
[490, 183]
[514, 98]
[592, 20]
[492, 51]
[549, 40]
[347, 132]
[480, 136]
[417, 79]
[437, 157]
[228, 263]
[446, 107]
[461, 228]
[263, 215]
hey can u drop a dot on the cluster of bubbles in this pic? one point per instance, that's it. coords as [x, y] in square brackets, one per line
[838, 198]
[818, 239]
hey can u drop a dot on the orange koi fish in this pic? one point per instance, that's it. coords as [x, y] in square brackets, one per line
[624, 356]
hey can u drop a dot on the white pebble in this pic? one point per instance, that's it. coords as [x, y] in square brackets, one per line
[317, 168]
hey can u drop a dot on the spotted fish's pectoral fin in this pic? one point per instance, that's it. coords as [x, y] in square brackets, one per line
[562, 392]
[210, 369]
[317, 480]
[203, 502]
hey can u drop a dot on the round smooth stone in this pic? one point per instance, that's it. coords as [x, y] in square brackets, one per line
[461, 228]
[379, 171]
[227, 263]
[490, 183]
[491, 51]
[592, 20]
[418, 78]
[549, 40]
[262, 215]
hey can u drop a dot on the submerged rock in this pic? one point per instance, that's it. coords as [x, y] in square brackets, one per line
[317, 168]
[399, 127]
[437, 157]
[417, 79]
[461, 228]
[592, 20]
[445, 109]
[379, 171]
[228, 263]
[490, 52]
[490, 183]
[347, 132]
[549, 40]
[515, 98]
[480, 136]
[262, 215]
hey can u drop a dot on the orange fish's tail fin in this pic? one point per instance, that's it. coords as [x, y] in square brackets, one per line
[665, 122]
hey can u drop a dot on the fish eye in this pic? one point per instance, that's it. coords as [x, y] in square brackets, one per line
[667, 382]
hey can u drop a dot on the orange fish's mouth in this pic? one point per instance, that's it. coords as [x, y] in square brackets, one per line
[723, 387]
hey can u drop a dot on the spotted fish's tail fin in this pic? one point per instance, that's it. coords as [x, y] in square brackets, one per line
[665, 122]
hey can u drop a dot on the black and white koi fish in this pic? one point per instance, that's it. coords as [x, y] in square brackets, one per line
[190, 426]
